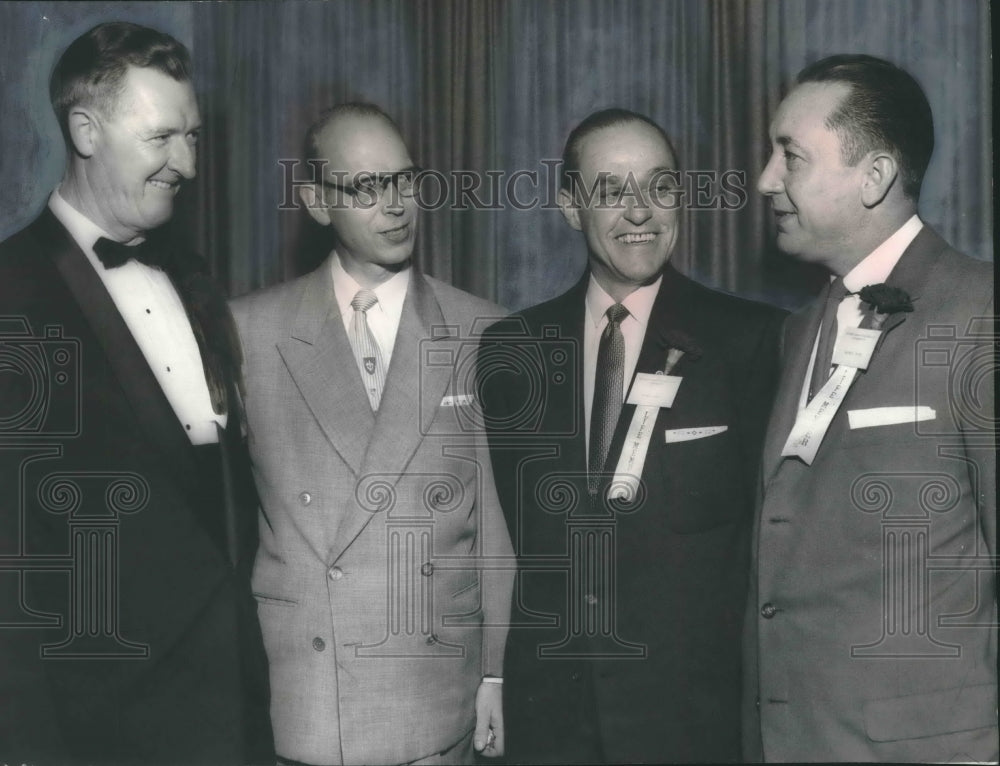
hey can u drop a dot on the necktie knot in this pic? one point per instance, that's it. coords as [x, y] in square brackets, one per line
[114, 254]
[363, 300]
[616, 314]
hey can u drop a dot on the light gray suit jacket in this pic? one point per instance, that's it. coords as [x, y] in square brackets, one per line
[870, 633]
[370, 584]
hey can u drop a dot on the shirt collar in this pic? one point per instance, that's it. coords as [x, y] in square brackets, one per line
[390, 293]
[84, 231]
[877, 265]
[639, 302]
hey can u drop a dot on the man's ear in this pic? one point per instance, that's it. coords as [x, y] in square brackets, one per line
[83, 130]
[882, 173]
[570, 210]
[317, 210]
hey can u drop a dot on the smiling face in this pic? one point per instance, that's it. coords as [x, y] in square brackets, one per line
[375, 236]
[135, 158]
[630, 224]
[817, 199]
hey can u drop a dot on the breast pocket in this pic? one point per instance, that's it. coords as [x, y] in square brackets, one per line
[701, 481]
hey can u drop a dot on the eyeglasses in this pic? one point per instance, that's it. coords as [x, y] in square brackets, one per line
[369, 188]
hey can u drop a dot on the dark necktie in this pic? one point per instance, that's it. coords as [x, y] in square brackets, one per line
[114, 254]
[827, 337]
[609, 384]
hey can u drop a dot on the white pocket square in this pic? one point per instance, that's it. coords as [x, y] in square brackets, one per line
[687, 434]
[888, 416]
[458, 400]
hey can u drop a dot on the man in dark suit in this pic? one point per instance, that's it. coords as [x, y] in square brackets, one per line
[127, 627]
[628, 498]
[871, 626]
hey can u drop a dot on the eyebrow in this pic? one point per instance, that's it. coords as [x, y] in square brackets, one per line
[788, 141]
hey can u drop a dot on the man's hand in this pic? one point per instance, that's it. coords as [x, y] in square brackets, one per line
[488, 739]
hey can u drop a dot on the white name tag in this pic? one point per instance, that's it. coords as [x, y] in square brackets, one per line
[812, 422]
[654, 390]
[688, 434]
[458, 400]
[855, 347]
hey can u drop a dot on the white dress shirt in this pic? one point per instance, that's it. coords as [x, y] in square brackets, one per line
[640, 305]
[383, 317]
[872, 270]
[154, 314]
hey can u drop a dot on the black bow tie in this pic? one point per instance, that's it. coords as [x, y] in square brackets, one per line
[114, 254]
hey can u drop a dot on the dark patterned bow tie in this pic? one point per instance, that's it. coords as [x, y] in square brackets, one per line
[114, 254]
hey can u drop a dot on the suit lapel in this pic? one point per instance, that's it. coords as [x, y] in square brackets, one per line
[413, 393]
[668, 314]
[800, 335]
[143, 393]
[911, 273]
[319, 358]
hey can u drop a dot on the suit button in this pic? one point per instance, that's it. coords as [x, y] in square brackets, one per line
[768, 611]
[334, 573]
[305, 498]
[319, 644]
[431, 640]
[427, 569]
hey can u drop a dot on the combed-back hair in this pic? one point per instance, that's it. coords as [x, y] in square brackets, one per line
[347, 109]
[885, 109]
[606, 118]
[91, 71]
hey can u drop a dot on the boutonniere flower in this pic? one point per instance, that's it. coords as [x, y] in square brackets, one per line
[885, 300]
[679, 344]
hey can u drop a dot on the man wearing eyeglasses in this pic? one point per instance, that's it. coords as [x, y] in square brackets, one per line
[378, 502]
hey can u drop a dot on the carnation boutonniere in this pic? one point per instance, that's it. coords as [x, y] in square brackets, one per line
[679, 344]
[885, 301]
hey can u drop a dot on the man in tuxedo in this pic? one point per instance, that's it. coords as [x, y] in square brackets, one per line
[629, 499]
[383, 627]
[871, 626]
[128, 629]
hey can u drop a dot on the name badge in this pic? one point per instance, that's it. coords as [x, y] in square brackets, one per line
[855, 347]
[654, 390]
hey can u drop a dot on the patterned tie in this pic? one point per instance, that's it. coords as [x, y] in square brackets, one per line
[827, 337]
[608, 387]
[366, 349]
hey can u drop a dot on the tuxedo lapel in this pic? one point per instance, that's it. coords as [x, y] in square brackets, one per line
[413, 392]
[141, 389]
[319, 358]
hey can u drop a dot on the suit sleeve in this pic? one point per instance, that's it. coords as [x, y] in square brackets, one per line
[498, 576]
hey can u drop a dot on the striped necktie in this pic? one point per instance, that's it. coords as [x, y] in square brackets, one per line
[365, 348]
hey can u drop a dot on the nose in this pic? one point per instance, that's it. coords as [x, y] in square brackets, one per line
[637, 209]
[770, 182]
[392, 201]
[183, 157]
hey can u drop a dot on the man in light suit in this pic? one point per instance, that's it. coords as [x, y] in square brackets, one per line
[383, 627]
[871, 628]
[624, 643]
[127, 628]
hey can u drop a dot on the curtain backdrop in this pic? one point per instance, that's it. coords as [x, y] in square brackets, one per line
[491, 89]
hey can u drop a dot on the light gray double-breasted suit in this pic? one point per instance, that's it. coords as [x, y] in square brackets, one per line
[369, 580]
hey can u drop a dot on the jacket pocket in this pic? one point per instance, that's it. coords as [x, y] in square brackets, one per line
[931, 714]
